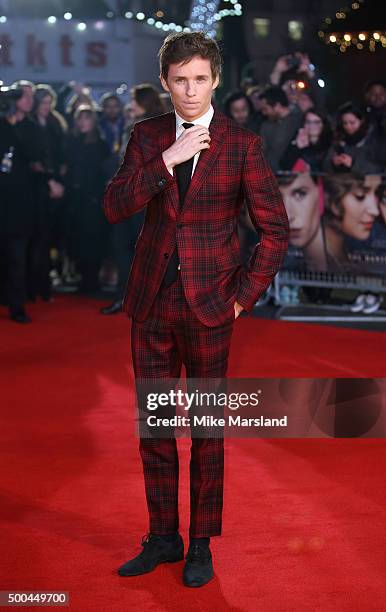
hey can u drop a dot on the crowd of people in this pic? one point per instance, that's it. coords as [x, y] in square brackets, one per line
[58, 150]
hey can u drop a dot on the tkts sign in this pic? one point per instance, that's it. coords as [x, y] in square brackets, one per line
[95, 51]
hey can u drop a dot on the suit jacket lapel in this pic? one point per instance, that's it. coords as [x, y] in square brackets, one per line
[207, 157]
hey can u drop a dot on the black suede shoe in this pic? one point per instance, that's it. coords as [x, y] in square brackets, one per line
[20, 316]
[198, 568]
[155, 551]
[113, 308]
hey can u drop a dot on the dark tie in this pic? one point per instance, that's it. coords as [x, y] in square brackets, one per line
[183, 175]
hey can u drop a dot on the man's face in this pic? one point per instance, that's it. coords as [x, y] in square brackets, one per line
[190, 86]
[112, 109]
[376, 96]
[268, 111]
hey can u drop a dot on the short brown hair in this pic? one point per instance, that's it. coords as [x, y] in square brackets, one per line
[183, 46]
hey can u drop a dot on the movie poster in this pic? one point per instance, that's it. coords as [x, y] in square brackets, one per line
[337, 223]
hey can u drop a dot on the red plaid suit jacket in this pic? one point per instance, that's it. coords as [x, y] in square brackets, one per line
[205, 230]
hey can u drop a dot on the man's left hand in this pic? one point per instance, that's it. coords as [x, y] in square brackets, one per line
[238, 309]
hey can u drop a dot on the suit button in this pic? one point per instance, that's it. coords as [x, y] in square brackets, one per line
[166, 255]
[179, 225]
[161, 182]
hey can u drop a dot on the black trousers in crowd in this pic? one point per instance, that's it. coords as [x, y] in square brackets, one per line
[13, 252]
[124, 238]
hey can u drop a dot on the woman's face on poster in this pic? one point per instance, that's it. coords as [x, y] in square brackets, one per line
[382, 202]
[301, 200]
[361, 208]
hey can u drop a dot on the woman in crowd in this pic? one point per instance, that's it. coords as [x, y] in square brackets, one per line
[49, 171]
[87, 153]
[81, 97]
[238, 106]
[355, 144]
[311, 144]
[146, 102]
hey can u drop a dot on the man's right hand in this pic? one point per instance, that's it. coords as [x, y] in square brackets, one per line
[190, 142]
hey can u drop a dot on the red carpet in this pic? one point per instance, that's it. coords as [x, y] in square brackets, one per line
[304, 520]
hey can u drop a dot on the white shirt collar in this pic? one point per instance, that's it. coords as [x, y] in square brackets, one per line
[203, 120]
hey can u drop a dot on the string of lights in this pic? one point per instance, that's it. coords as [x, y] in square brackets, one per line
[204, 16]
[350, 38]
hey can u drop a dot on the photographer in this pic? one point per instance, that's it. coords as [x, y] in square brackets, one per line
[292, 68]
[17, 207]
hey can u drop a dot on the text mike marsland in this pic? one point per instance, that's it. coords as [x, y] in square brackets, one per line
[210, 421]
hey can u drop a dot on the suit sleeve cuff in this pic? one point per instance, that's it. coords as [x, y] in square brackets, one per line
[162, 176]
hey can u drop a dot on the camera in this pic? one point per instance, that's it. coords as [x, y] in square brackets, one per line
[8, 97]
[293, 62]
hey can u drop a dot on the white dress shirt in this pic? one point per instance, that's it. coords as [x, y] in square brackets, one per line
[203, 120]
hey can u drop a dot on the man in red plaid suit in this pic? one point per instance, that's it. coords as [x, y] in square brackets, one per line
[191, 169]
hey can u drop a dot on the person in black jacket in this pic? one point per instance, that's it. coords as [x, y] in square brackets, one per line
[49, 172]
[17, 204]
[86, 155]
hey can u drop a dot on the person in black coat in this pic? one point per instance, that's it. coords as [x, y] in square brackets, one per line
[17, 208]
[49, 170]
[86, 155]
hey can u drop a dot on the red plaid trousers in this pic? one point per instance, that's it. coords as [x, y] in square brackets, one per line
[172, 335]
